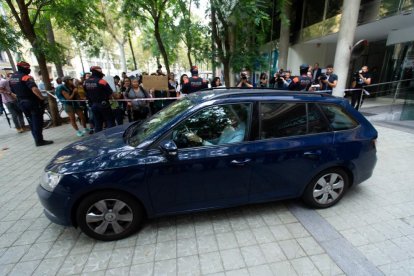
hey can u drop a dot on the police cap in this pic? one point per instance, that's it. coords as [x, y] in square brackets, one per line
[23, 64]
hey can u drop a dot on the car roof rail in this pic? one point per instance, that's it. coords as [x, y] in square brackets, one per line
[237, 91]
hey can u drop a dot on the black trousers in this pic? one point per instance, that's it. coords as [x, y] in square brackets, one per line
[101, 114]
[33, 111]
[357, 99]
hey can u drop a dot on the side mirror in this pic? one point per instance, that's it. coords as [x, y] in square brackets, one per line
[169, 149]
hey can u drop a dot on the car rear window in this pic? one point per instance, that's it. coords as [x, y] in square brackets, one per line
[338, 118]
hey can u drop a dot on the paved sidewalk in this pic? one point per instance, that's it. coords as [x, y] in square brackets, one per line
[371, 229]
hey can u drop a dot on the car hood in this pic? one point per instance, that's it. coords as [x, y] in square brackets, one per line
[104, 150]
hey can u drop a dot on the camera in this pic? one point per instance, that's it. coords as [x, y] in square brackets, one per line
[323, 77]
[243, 76]
[360, 71]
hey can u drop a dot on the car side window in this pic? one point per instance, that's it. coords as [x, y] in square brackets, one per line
[282, 119]
[337, 117]
[291, 119]
[316, 121]
[214, 125]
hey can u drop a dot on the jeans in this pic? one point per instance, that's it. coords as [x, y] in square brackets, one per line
[17, 114]
[34, 114]
[101, 114]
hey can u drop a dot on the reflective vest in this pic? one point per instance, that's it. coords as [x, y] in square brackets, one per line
[194, 84]
[97, 90]
[21, 85]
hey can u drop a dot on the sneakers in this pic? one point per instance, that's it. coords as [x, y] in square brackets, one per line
[43, 143]
[20, 130]
[86, 130]
[79, 133]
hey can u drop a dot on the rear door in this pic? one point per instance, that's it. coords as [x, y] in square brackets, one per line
[294, 140]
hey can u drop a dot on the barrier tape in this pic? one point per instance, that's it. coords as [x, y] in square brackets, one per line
[119, 100]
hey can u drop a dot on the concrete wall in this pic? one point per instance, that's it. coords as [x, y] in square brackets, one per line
[400, 36]
[324, 54]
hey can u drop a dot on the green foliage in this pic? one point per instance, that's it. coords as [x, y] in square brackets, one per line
[82, 20]
[9, 37]
[154, 16]
[248, 22]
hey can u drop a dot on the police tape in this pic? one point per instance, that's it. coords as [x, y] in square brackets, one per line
[120, 100]
[177, 98]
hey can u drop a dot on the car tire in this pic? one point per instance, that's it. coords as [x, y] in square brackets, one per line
[326, 189]
[109, 215]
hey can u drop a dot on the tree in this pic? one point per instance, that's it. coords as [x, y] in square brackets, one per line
[9, 40]
[116, 25]
[192, 33]
[152, 12]
[242, 23]
[26, 14]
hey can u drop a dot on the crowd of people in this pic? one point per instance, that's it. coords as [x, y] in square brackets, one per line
[91, 100]
[313, 79]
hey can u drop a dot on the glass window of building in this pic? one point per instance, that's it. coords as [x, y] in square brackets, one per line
[313, 12]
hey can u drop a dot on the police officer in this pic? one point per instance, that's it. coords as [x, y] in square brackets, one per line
[303, 82]
[195, 83]
[98, 93]
[30, 99]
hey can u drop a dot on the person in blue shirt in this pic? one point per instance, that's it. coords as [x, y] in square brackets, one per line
[66, 92]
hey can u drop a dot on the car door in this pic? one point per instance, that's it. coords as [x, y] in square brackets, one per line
[208, 174]
[294, 141]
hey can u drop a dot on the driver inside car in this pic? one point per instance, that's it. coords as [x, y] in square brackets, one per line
[234, 132]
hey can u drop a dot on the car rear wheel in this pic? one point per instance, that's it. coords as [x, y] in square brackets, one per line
[109, 215]
[327, 188]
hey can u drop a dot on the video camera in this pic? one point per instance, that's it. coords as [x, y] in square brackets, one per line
[323, 77]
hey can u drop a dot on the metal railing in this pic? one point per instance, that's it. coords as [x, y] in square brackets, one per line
[390, 101]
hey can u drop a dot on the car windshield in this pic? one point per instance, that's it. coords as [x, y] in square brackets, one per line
[138, 133]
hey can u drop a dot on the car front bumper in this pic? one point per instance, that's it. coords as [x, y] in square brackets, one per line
[55, 206]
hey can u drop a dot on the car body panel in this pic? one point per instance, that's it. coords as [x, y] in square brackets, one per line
[207, 177]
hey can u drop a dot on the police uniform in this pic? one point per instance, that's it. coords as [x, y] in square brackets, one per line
[98, 93]
[21, 83]
[195, 83]
[303, 82]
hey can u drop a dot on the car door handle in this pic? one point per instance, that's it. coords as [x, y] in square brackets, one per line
[312, 154]
[241, 162]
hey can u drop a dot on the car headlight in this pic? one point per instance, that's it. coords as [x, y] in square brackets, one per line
[50, 180]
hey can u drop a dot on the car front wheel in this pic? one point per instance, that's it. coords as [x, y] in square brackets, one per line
[327, 188]
[109, 215]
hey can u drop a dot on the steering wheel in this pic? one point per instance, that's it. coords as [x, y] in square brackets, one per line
[181, 139]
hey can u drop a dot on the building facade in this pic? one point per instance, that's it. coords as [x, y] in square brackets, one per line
[387, 25]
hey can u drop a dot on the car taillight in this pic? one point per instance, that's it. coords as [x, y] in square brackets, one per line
[374, 143]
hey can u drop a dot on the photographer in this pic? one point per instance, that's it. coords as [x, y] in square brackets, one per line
[244, 83]
[361, 79]
[329, 80]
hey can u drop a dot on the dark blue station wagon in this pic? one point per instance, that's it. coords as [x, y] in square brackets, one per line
[212, 149]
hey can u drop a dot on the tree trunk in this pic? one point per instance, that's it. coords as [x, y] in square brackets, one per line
[52, 41]
[11, 60]
[190, 61]
[122, 55]
[132, 52]
[284, 38]
[161, 45]
[41, 60]
[226, 67]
